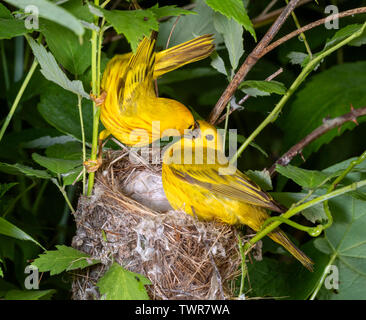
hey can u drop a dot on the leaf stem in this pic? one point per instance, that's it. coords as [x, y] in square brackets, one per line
[83, 140]
[302, 76]
[18, 97]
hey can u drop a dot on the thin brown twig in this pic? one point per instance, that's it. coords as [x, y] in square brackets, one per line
[250, 61]
[328, 124]
[246, 97]
[311, 26]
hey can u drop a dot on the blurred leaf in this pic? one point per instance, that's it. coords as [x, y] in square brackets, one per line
[52, 71]
[262, 178]
[59, 108]
[18, 169]
[233, 9]
[30, 294]
[189, 27]
[168, 11]
[9, 26]
[331, 91]
[10, 230]
[134, 24]
[47, 141]
[120, 284]
[5, 187]
[345, 33]
[345, 241]
[70, 177]
[66, 48]
[53, 12]
[56, 165]
[183, 75]
[264, 88]
[63, 259]
[1, 270]
[273, 278]
[5, 287]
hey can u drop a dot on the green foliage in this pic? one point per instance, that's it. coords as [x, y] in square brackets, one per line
[63, 259]
[120, 284]
[29, 294]
[233, 9]
[262, 88]
[51, 11]
[9, 26]
[19, 169]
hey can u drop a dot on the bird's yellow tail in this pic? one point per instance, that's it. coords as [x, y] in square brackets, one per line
[187, 52]
[281, 238]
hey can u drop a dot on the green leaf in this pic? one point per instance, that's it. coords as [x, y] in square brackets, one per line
[1, 270]
[19, 169]
[56, 165]
[50, 11]
[345, 33]
[5, 187]
[309, 179]
[183, 75]
[47, 141]
[69, 151]
[314, 214]
[189, 27]
[168, 11]
[66, 48]
[218, 63]
[10, 230]
[280, 280]
[345, 242]
[52, 72]
[262, 178]
[30, 294]
[331, 91]
[233, 9]
[134, 24]
[70, 177]
[264, 88]
[297, 58]
[120, 284]
[233, 37]
[59, 108]
[9, 26]
[63, 259]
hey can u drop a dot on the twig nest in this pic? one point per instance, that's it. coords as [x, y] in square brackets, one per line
[184, 258]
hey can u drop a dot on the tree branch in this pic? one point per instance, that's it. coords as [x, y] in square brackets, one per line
[328, 124]
[250, 61]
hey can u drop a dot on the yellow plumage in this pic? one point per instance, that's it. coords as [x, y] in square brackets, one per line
[131, 106]
[206, 186]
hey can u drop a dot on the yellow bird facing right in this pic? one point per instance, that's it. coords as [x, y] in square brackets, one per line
[198, 179]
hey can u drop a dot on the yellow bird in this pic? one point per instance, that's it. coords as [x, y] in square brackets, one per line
[198, 179]
[131, 108]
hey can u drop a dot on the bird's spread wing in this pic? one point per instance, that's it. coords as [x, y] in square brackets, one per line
[139, 73]
[236, 186]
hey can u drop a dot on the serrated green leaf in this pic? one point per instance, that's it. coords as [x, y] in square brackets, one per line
[52, 72]
[168, 11]
[17, 169]
[297, 57]
[263, 88]
[9, 26]
[134, 24]
[53, 12]
[232, 33]
[30, 294]
[66, 119]
[120, 284]
[309, 179]
[56, 165]
[10, 230]
[63, 259]
[332, 92]
[345, 33]
[233, 9]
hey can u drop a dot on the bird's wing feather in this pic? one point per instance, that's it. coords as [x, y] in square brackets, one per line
[139, 73]
[236, 186]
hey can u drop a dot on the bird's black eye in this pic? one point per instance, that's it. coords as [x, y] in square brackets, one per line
[190, 127]
[209, 137]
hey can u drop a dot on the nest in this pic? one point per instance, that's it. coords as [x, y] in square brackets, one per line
[184, 258]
